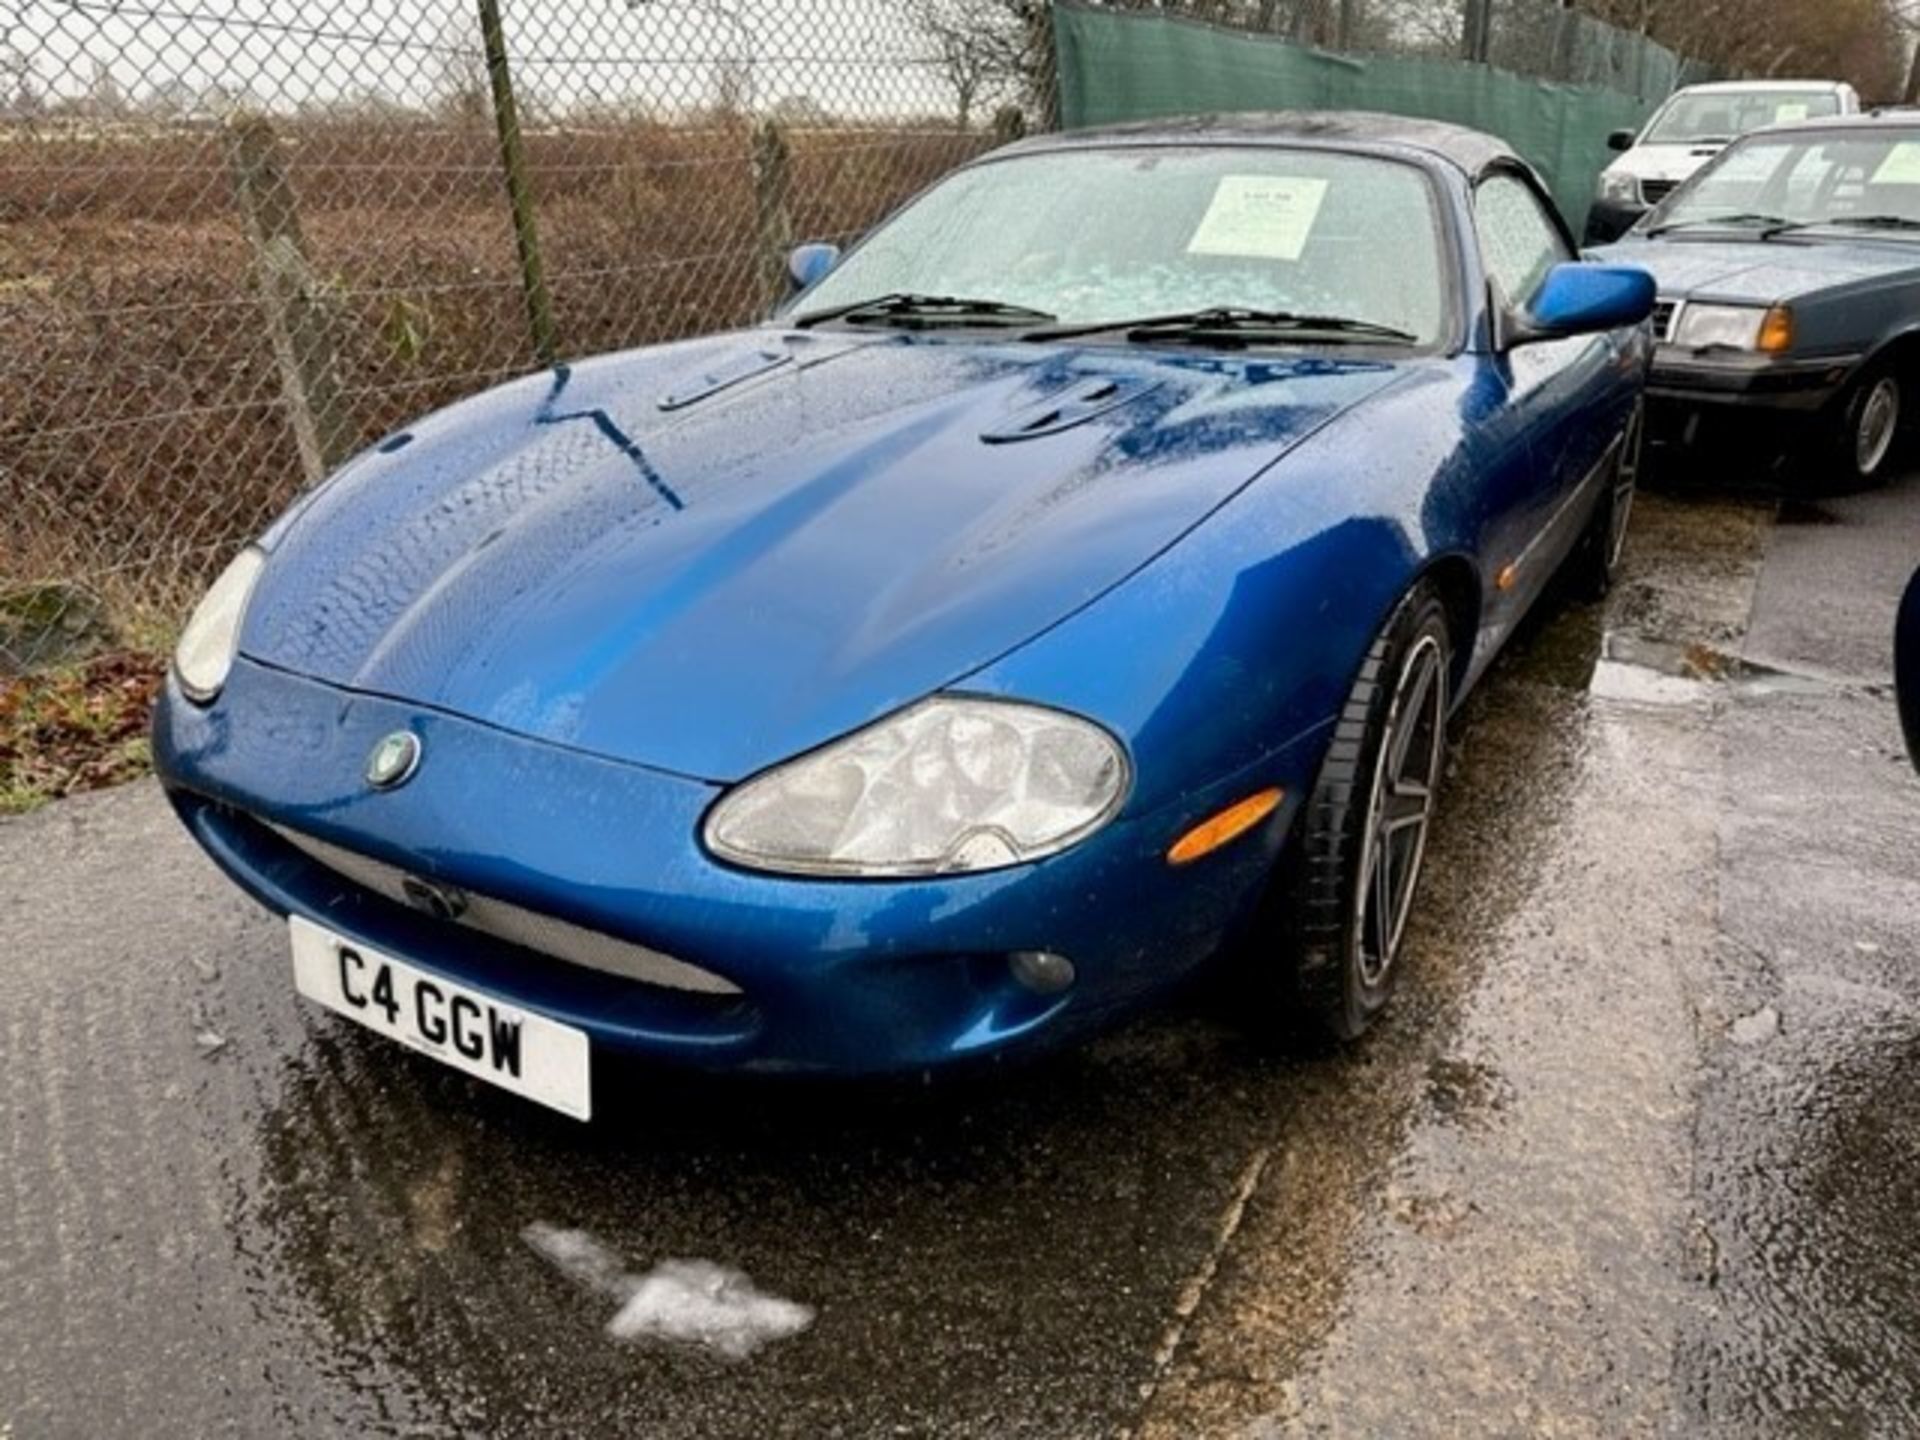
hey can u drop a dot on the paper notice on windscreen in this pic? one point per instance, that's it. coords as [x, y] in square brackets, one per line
[1792, 110]
[1901, 167]
[1259, 217]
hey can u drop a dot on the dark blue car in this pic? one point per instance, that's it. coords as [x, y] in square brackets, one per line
[1074, 579]
[1789, 279]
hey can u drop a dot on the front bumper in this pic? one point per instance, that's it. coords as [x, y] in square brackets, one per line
[1754, 381]
[832, 976]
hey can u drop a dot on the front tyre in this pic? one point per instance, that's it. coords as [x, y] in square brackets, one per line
[1595, 561]
[1345, 898]
[1867, 430]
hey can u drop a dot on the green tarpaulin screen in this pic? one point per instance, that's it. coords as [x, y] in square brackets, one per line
[1131, 65]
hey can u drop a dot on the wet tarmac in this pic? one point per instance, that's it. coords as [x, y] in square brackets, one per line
[1634, 1154]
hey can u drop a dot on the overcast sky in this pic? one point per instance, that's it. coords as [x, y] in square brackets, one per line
[855, 57]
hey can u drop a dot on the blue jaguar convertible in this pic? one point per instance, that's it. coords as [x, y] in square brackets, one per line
[1070, 584]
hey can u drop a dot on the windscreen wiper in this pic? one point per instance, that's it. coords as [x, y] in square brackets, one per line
[1863, 222]
[1736, 217]
[914, 311]
[1230, 323]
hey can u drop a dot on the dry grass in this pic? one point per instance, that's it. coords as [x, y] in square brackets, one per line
[141, 427]
[75, 729]
[142, 434]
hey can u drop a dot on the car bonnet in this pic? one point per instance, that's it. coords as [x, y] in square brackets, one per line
[709, 557]
[1761, 271]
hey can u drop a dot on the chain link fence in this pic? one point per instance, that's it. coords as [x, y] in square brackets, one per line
[239, 239]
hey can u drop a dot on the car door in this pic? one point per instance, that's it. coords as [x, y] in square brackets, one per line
[1566, 395]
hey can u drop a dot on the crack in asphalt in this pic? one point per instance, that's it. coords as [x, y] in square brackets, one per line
[1188, 1302]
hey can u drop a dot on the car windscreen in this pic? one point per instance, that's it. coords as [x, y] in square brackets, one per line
[1720, 115]
[1099, 235]
[1843, 177]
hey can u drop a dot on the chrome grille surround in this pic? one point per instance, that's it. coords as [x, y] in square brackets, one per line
[515, 925]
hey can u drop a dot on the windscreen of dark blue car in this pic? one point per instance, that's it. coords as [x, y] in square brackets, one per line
[1842, 177]
[1092, 236]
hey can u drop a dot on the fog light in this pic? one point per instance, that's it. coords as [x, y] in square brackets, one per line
[1041, 971]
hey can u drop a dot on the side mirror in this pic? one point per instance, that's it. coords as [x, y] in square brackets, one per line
[1583, 299]
[1621, 140]
[807, 263]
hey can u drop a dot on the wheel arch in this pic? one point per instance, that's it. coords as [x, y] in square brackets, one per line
[1457, 581]
[1900, 349]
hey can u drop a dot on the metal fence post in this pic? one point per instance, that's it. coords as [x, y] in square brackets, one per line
[773, 225]
[1346, 21]
[296, 311]
[1042, 63]
[1476, 29]
[1566, 45]
[513, 161]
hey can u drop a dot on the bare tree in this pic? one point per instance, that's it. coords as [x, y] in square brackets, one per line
[1421, 27]
[988, 50]
[973, 45]
[733, 85]
[104, 100]
[1857, 40]
[463, 95]
[1906, 16]
[19, 86]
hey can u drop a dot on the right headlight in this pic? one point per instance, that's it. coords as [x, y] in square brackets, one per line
[952, 785]
[212, 636]
[1619, 187]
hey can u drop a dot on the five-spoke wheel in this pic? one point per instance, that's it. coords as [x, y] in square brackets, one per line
[1347, 884]
[1406, 776]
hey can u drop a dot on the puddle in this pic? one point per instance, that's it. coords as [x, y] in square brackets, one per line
[1805, 512]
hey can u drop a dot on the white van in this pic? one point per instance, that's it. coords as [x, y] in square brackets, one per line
[1688, 130]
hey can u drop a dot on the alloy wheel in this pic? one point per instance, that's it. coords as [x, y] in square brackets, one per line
[1625, 477]
[1406, 778]
[1879, 419]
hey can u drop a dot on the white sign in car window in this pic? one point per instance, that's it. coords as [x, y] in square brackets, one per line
[1791, 110]
[1259, 217]
[1901, 167]
[1750, 162]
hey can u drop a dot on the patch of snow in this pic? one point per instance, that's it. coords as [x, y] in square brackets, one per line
[695, 1303]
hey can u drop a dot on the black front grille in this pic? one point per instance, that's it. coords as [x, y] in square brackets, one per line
[1663, 318]
[528, 929]
[1654, 191]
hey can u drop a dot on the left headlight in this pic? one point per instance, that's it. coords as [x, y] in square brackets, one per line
[1735, 327]
[1620, 188]
[951, 785]
[205, 653]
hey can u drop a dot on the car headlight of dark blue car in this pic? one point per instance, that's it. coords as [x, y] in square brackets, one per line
[951, 785]
[1768, 329]
[211, 638]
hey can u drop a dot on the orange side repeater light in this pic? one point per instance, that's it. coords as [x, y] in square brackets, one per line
[1231, 823]
[1776, 331]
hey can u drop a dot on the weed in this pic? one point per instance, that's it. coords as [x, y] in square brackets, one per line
[73, 729]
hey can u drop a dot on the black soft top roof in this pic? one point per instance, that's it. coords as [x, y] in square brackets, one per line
[1469, 150]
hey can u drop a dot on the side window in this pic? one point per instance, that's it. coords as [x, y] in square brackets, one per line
[1519, 242]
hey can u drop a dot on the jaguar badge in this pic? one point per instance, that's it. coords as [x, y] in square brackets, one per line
[394, 760]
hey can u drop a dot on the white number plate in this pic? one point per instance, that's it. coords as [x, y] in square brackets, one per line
[513, 1048]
